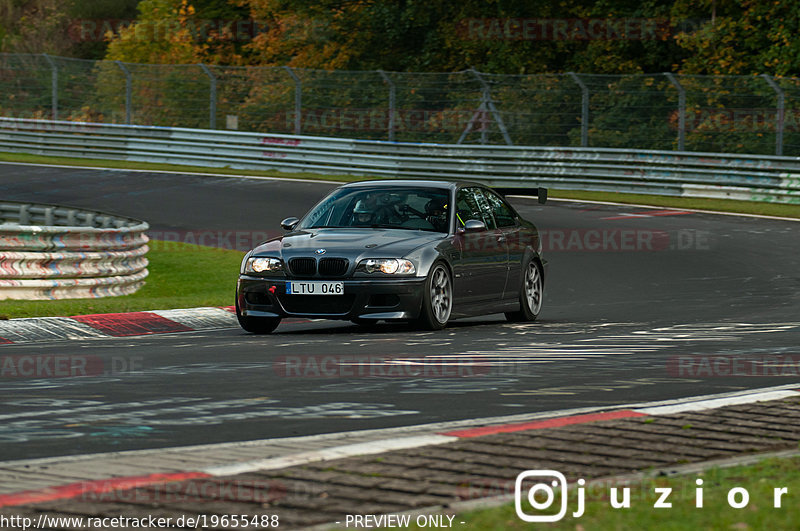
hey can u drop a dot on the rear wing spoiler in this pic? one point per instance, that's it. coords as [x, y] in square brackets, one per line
[539, 192]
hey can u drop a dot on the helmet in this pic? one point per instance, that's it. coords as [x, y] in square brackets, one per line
[362, 213]
[436, 213]
[434, 207]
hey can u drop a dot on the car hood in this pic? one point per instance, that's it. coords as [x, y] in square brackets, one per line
[349, 243]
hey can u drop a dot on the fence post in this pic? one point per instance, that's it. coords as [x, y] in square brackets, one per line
[128, 91]
[298, 99]
[488, 105]
[779, 117]
[53, 86]
[584, 108]
[212, 94]
[392, 102]
[681, 110]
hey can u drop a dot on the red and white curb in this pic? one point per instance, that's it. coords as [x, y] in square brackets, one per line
[31, 330]
[482, 427]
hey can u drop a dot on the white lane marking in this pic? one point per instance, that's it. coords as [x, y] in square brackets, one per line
[717, 403]
[336, 452]
[717, 212]
[174, 172]
[397, 433]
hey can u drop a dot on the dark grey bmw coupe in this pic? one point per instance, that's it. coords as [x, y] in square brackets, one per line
[423, 251]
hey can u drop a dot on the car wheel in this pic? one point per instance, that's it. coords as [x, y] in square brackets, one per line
[256, 325]
[530, 294]
[437, 300]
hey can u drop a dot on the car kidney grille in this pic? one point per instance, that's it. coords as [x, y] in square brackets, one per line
[303, 266]
[333, 267]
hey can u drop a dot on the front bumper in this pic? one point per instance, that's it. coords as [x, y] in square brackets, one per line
[380, 298]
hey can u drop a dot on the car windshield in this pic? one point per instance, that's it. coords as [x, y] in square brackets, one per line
[382, 207]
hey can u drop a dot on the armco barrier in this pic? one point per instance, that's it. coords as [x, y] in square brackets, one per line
[743, 177]
[51, 252]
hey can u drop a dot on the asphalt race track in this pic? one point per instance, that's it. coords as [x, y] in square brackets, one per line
[641, 304]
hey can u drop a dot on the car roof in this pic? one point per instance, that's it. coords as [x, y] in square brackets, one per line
[421, 183]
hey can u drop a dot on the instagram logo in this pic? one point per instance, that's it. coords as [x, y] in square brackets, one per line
[535, 489]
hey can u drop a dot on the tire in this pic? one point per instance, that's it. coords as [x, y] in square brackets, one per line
[531, 293]
[437, 300]
[256, 325]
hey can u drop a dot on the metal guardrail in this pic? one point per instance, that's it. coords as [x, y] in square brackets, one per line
[50, 252]
[712, 175]
[708, 113]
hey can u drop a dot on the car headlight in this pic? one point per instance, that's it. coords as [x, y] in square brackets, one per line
[390, 266]
[263, 265]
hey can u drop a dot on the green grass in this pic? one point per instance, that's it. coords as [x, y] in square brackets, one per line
[181, 276]
[153, 166]
[759, 479]
[725, 205]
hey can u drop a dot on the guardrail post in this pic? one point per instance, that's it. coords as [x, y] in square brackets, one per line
[681, 110]
[53, 86]
[212, 95]
[780, 115]
[584, 108]
[392, 102]
[128, 91]
[298, 100]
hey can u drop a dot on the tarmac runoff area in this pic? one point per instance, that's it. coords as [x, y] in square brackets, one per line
[419, 475]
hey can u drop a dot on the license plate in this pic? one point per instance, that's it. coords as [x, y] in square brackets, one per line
[315, 288]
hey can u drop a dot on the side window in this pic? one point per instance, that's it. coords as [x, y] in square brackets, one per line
[471, 205]
[503, 215]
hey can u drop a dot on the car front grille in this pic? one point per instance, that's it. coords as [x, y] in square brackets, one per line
[317, 304]
[305, 267]
[333, 267]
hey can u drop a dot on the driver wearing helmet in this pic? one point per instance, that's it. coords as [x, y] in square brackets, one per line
[362, 214]
[436, 214]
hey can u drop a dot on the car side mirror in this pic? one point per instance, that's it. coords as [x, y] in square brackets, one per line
[289, 223]
[473, 225]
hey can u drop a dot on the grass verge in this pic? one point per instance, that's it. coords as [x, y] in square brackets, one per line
[181, 276]
[759, 480]
[724, 205]
[156, 167]
[691, 203]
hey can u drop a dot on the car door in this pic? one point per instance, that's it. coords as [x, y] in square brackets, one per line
[507, 223]
[480, 273]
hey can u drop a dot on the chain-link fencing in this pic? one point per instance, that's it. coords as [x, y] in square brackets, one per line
[735, 114]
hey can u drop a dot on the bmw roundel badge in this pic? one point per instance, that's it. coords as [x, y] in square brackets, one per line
[320, 251]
